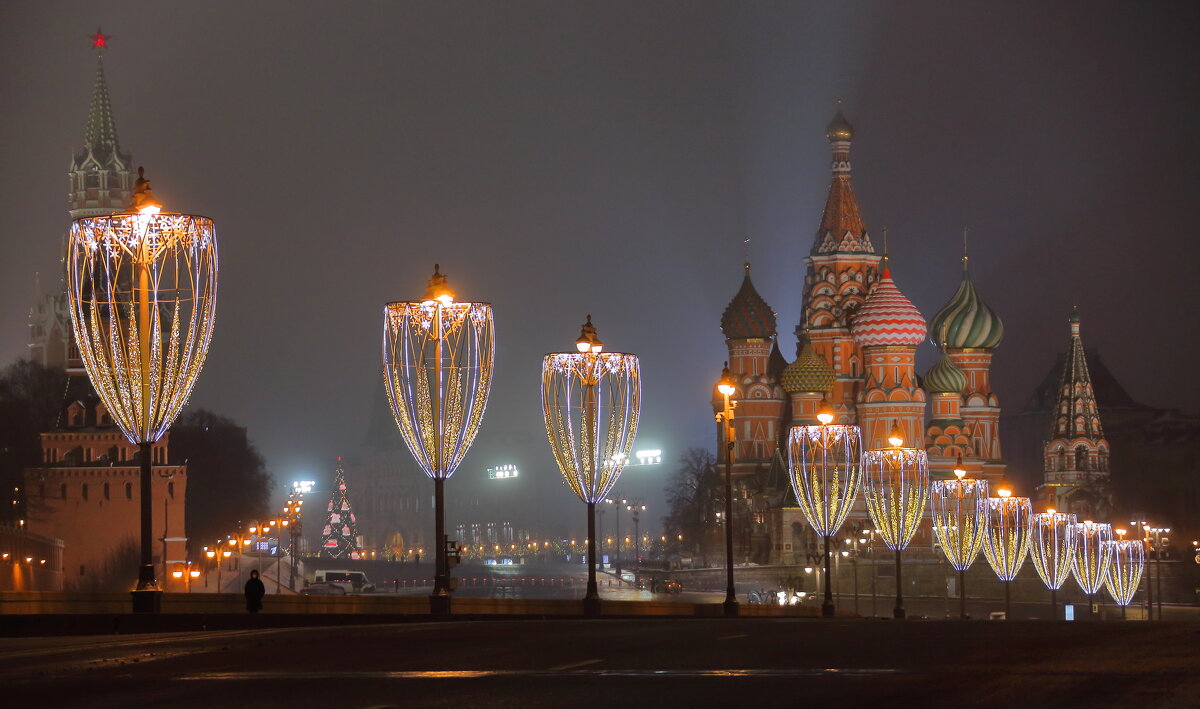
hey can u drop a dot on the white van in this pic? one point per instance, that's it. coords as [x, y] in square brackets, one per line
[352, 581]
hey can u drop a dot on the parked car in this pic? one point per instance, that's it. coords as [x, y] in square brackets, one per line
[669, 586]
[322, 589]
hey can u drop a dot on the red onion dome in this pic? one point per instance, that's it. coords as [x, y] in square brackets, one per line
[887, 317]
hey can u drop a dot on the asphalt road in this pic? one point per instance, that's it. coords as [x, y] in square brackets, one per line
[646, 662]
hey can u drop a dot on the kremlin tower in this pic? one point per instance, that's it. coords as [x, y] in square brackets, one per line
[1077, 454]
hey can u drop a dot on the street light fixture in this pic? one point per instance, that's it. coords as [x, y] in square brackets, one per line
[142, 289]
[1006, 538]
[897, 487]
[1092, 557]
[727, 385]
[959, 523]
[438, 355]
[825, 462]
[1052, 547]
[1125, 569]
[591, 401]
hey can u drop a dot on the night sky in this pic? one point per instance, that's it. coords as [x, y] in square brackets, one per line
[564, 158]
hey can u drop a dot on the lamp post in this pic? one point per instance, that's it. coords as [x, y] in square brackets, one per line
[1052, 547]
[1158, 544]
[635, 507]
[825, 462]
[438, 355]
[959, 522]
[591, 400]
[897, 487]
[142, 291]
[727, 386]
[1006, 538]
[1092, 557]
[1144, 527]
[1125, 569]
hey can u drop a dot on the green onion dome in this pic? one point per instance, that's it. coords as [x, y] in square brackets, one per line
[966, 322]
[945, 377]
[808, 373]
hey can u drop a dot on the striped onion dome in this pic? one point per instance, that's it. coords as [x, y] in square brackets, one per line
[808, 373]
[887, 317]
[966, 322]
[748, 315]
[945, 377]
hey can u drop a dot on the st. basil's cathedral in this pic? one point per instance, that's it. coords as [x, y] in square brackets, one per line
[856, 352]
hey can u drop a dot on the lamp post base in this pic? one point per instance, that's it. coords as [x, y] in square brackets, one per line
[147, 601]
[898, 613]
[730, 607]
[826, 610]
[439, 604]
[591, 606]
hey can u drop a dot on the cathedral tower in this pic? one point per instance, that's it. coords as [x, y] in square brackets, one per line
[749, 327]
[1077, 454]
[969, 332]
[888, 328]
[842, 267]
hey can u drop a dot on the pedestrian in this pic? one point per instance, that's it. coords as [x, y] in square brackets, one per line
[254, 592]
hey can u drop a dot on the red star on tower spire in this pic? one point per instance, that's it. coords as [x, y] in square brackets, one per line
[99, 40]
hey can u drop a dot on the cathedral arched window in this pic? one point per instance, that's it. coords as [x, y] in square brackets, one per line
[128, 491]
[106, 491]
[1081, 458]
[83, 491]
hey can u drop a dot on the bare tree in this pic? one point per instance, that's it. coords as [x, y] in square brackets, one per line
[692, 490]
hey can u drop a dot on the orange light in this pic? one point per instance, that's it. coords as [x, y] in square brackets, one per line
[896, 436]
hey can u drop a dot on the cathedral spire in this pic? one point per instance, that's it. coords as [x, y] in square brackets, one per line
[842, 228]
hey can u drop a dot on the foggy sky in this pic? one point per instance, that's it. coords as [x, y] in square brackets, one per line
[560, 159]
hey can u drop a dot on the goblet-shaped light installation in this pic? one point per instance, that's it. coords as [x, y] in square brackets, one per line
[896, 489]
[959, 523]
[1128, 560]
[437, 368]
[591, 401]
[1006, 538]
[826, 465]
[142, 288]
[1052, 548]
[1092, 557]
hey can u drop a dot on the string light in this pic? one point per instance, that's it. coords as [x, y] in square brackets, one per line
[1052, 549]
[959, 523]
[1092, 555]
[897, 487]
[1124, 575]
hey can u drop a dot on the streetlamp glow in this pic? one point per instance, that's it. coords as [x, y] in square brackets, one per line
[1006, 538]
[591, 401]
[896, 490]
[825, 463]
[727, 385]
[142, 292]
[1052, 548]
[438, 355]
[959, 523]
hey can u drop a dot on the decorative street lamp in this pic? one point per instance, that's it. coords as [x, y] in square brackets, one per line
[727, 386]
[959, 522]
[142, 286]
[1052, 548]
[897, 486]
[1006, 538]
[825, 463]
[1092, 557]
[1157, 541]
[1125, 570]
[437, 368]
[636, 508]
[591, 401]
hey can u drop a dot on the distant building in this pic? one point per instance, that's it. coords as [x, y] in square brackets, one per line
[856, 349]
[86, 491]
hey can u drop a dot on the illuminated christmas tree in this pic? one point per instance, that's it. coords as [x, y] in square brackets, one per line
[340, 535]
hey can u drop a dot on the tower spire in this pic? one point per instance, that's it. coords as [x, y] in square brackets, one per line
[842, 229]
[100, 135]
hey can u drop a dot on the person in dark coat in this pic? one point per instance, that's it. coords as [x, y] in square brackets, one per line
[254, 592]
